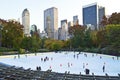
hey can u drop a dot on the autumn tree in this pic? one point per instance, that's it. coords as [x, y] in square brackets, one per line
[104, 22]
[102, 38]
[114, 18]
[77, 35]
[12, 34]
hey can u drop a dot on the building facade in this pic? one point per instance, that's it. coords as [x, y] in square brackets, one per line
[51, 22]
[26, 22]
[70, 23]
[63, 31]
[43, 35]
[59, 33]
[92, 15]
[75, 20]
[33, 29]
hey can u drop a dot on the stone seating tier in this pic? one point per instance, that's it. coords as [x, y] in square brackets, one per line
[19, 73]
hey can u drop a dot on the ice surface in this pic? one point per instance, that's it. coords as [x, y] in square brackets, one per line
[67, 61]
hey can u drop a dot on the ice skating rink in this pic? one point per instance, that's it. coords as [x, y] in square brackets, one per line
[74, 62]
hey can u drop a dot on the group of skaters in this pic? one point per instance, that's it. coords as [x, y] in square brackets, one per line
[17, 57]
[85, 65]
[68, 64]
[87, 70]
[38, 68]
[46, 59]
[76, 56]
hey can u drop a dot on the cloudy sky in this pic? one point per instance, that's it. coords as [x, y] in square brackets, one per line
[12, 9]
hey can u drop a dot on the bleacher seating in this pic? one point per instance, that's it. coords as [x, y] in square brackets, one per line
[19, 73]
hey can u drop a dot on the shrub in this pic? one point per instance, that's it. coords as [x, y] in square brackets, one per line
[21, 51]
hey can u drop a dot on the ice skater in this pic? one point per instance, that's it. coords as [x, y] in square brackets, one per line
[87, 71]
[83, 65]
[60, 65]
[103, 67]
[50, 67]
[92, 55]
[68, 64]
[51, 58]
[117, 57]
[74, 55]
[14, 57]
[85, 55]
[26, 55]
[113, 58]
[77, 56]
[41, 59]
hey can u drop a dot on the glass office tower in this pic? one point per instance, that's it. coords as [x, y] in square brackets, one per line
[92, 15]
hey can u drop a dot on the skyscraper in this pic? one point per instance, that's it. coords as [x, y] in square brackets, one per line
[75, 20]
[51, 22]
[26, 22]
[33, 29]
[70, 23]
[63, 31]
[92, 15]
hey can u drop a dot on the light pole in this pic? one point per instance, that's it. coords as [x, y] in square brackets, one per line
[1, 35]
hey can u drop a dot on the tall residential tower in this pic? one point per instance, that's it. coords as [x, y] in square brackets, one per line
[26, 22]
[51, 22]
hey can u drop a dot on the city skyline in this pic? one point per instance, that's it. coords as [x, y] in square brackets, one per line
[13, 9]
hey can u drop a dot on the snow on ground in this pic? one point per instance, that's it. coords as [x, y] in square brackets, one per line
[74, 62]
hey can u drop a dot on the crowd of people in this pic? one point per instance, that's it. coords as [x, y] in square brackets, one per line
[71, 64]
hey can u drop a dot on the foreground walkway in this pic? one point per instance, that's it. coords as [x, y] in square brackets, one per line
[19, 73]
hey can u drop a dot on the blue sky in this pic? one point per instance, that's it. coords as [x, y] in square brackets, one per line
[12, 9]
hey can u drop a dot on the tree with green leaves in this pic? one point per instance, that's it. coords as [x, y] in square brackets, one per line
[12, 34]
[112, 37]
[77, 35]
[26, 43]
[31, 43]
[87, 38]
[54, 44]
[113, 32]
[102, 38]
[94, 38]
[35, 43]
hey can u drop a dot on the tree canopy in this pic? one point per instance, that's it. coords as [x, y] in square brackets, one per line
[12, 34]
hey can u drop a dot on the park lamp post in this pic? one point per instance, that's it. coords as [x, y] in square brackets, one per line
[1, 27]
